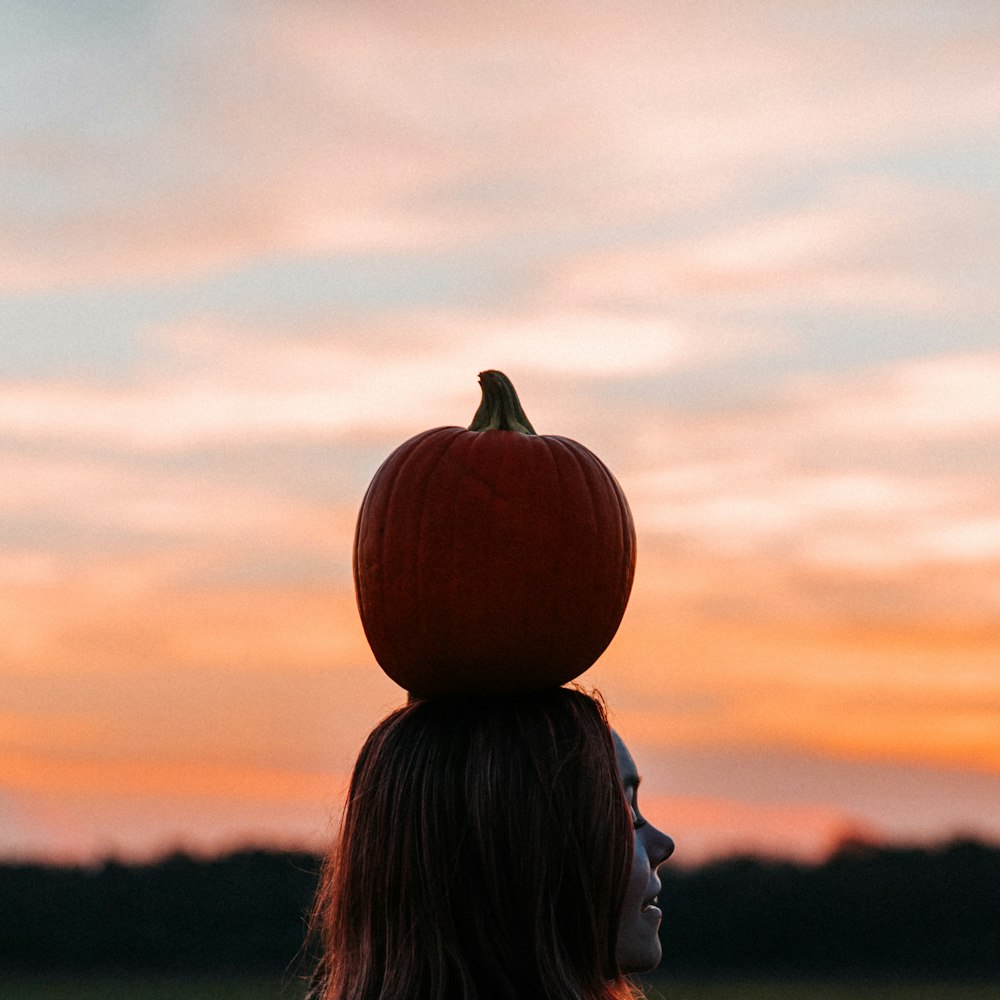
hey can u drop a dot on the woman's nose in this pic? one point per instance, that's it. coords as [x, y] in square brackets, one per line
[661, 849]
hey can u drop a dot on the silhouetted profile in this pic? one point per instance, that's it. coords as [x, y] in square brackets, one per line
[491, 849]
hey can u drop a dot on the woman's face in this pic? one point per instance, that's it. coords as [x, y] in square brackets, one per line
[638, 948]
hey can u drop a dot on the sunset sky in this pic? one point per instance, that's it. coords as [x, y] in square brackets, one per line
[748, 253]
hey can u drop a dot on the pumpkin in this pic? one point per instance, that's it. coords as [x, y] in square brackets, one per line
[491, 559]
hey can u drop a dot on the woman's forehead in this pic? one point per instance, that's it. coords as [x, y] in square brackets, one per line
[626, 765]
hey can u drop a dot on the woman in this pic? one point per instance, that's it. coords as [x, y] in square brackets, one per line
[491, 849]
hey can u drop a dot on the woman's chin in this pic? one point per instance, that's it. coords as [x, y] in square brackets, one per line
[641, 960]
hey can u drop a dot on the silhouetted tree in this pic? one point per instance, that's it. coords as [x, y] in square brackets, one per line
[893, 909]
[866, 910]
[245, 911]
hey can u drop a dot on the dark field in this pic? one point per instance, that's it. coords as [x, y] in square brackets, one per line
[145, 988]
[167, 988]
[805, 989]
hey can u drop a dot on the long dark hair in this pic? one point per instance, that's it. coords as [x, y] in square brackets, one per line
[483, 855]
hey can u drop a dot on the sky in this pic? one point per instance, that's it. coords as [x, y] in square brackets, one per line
[745, 252]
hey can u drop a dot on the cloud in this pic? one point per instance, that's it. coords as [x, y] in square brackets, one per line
[753, 663]
[223, 158]
[106, 614]
[82, 810]
[215, 385]
[87, 809]
[946, 397]
[665, 200]
[48, 732]
[883, 799]
[830, 480]
[878, 245]
[141, 503]
[331, 131]
[154, 779]
[836, 470]
[704, 828]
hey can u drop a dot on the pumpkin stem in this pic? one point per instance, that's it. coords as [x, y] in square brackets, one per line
[500, 409]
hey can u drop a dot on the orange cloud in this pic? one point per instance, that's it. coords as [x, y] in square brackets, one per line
[154, 779]
[736, 665]
[121, 613]
[73, 810]
[705, 827]
[233, 805]
[762, 568]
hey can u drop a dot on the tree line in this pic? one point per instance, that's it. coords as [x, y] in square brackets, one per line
[906, 911]
[919, 911]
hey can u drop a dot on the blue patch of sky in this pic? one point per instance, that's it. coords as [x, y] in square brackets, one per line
[359, 285]
[315, 472]
[732, 385]
[102, 331]
[965, 162]
[844, 341]
[96, 100]
[901, 17]
[279, 568]
[888, 790]
[73, 538]
[761, 196]
[758, 196]
[329, 473]
[840, 341]
[70, 334]
[820, 341]
[78, 67]
[257, 563]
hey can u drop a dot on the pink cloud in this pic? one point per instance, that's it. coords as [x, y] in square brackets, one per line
[947, 397]
[833, 473]
[344, 130]
[215, 385]
[861, 243]
[705, 827]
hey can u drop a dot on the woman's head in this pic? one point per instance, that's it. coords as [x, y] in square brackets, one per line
[638, 948]
[486, 851]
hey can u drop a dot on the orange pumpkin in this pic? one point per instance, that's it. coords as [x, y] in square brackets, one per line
[492, 559]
